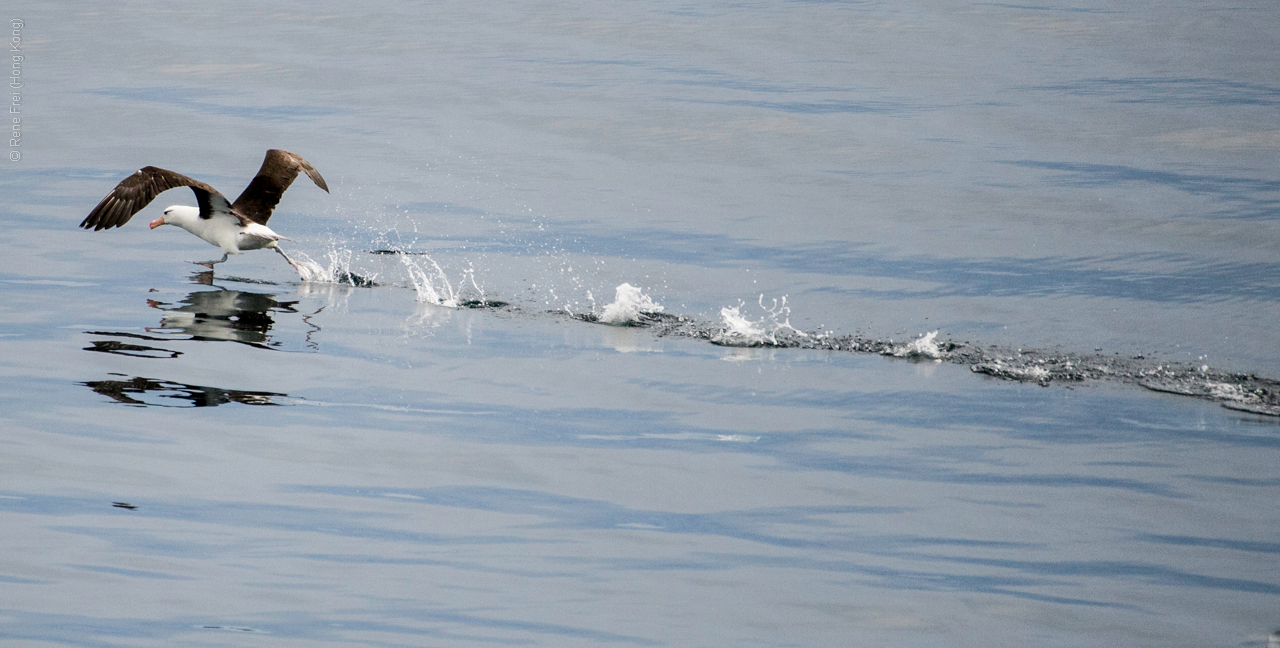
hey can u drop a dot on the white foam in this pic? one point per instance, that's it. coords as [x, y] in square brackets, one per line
[629, 303]
[1229, 392]
[738, 330]
[925, 346]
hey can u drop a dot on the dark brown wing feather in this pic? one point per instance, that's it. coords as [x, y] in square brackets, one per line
[278, 172]
[136, 191]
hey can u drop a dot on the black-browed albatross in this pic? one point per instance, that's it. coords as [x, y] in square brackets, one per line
[234, 227]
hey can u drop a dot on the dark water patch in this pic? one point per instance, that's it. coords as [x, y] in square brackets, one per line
[819, 99]
[447, 208]
[130, 573]
[1147, 572]
[913, 470]
[143, 392]
[564, 512]
[1254, 482]
[1181, 92]
[205, 101]
[310, 520]
[88, 631]
[470, 619]
[1216, 543]
[1257, 197]
[1056, 9]
[873, 575]
[372, 560]
[827, 107]
[705, 77]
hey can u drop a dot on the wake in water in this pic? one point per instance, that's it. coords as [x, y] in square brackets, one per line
[1238, 391]
[771, 327]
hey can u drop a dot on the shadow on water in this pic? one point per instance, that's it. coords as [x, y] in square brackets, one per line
[144, 392]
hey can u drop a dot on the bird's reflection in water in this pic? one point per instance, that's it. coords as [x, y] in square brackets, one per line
[144, 392]
[223, 314]
[219, 314]
[132, 350]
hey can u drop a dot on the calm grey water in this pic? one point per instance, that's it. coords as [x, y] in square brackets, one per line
[311, 464]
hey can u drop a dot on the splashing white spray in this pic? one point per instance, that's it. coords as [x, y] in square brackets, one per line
[925, 346]
[742, 332]
[629, 303]
[337, 272]
[432, 287]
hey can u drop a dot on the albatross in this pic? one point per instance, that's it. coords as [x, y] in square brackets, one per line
[233, 226]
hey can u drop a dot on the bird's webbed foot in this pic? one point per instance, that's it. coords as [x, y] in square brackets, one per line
[209, 264]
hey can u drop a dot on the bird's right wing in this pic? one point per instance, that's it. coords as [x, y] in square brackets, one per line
[278, 171]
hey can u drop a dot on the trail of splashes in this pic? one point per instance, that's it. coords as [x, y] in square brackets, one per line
[740, 331]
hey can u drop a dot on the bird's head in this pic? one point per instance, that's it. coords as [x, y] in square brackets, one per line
[176, 215]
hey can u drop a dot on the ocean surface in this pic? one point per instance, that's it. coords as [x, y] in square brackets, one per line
[572, 364]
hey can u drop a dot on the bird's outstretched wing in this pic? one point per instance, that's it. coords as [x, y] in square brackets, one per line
[134, 192]
[278, 172]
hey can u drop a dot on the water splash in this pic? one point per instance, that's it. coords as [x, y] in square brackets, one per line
[925, 346]
[629, 304]
[338, 270]
[433, 285]
[430, 281]
[739, 331]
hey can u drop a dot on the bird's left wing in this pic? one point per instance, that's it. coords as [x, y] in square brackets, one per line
[136, 191]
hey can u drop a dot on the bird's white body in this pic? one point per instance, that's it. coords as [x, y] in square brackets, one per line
[221, 229]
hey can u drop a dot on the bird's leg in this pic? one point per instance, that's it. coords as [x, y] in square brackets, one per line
[291, 261]
[209, 264]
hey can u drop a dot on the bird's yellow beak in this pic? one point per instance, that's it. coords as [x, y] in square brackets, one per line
[157, 222]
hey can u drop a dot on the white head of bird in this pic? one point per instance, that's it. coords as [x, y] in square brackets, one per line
[181, 215]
